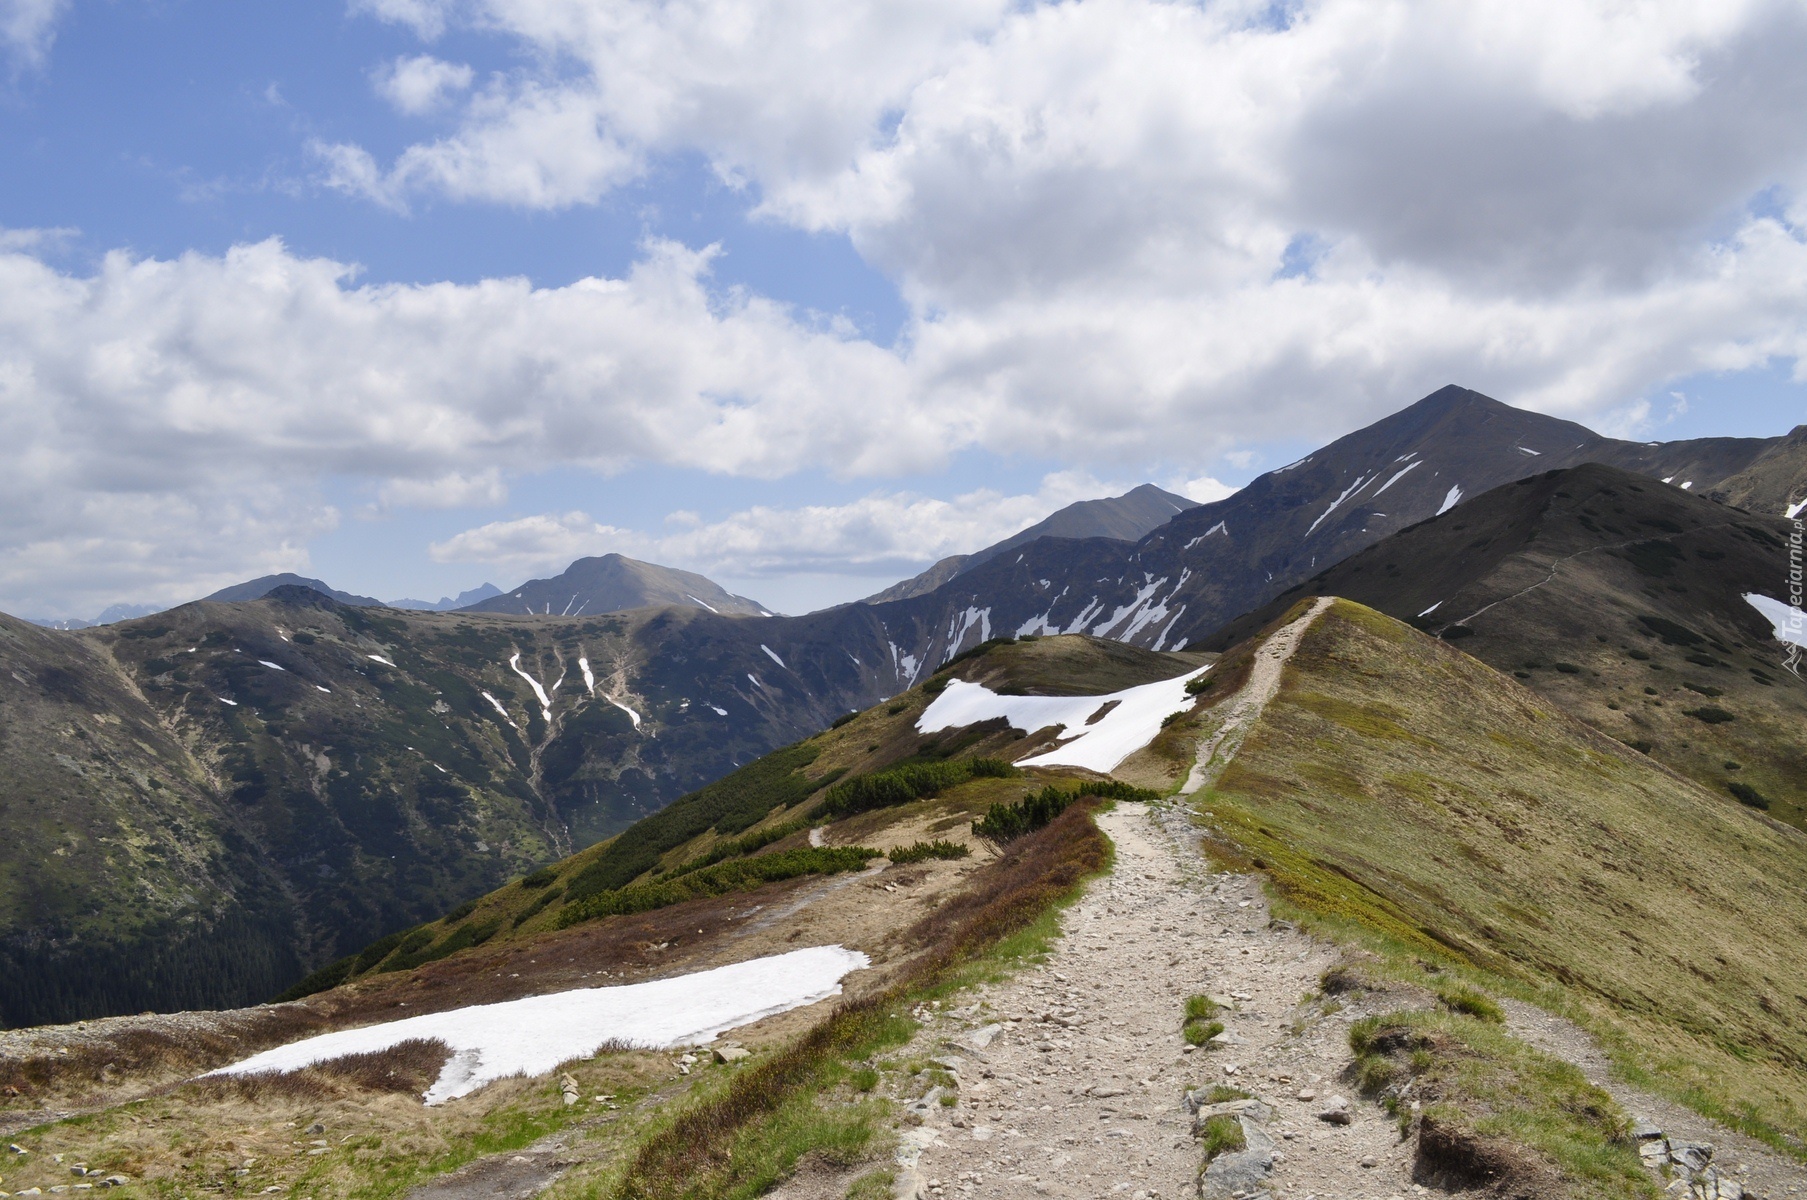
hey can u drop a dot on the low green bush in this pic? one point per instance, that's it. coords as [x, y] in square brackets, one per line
[1006, 822]
[742, 874]
[1222, 1134]
[1747, 794]
[901, 785]
[1198, 1033]
[924, 850]
[1464, 999]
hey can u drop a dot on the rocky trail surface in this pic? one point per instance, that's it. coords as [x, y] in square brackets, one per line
[1073, 1078]
[1216, 751]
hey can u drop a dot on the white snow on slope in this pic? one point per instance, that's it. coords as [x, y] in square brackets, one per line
[1217, 528]
[1121, 732]
[720, 712]
[773, 655]
[1037, 626]
[1687, 485]
[273, 666]
[1433, 608]
[514, 664]
[631, 714]
[223, 700]
[1398, 476]
[1451, 500]
[379, 658]
[1093, 607]
[328, 691]
[960, 624]
[694, 600]
[1794, 510]
[583, 664]
[534, 1035]
[497, 705]
[1790, 622]
[1347, 492]
[1533, 453]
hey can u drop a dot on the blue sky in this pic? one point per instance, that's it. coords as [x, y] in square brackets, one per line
[818, 293]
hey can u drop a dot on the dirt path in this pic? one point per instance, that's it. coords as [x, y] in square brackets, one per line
[1264, 680]
[1073, 1075]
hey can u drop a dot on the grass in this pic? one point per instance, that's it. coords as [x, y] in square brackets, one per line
[1488, 1099]
[914, 781]
[1005, 822]
[1222, 1134]
[920, 851]
[736, 875]
[768, 1118]
[1527, 857]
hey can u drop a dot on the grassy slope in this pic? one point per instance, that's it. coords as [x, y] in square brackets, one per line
[1568, 567]
[1399, 785]
[781, 789]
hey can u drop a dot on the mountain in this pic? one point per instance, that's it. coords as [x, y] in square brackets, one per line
[1616, 598]
[1480, 906]
[448, 603]
[1213, 562]
[263, 585]
[112, 613]
[1775, 482]
[1125, 518]
[273, 782]
[613, 583]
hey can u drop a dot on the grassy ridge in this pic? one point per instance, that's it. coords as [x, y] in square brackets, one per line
[738, 875]
[1400, 790]
[713, 1150]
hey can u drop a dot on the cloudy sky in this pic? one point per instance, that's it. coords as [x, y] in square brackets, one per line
[413, 294]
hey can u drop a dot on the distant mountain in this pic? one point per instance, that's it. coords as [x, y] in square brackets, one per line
[115, 612]
[614, 583]
[448, 603]
[1618, 599]
[1775, 483]
[253, 589]
[1213, 562]
[1125, 518]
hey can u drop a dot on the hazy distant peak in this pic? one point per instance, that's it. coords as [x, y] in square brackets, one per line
[616, 583]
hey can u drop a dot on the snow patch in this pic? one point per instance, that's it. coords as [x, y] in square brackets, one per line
[328, 691]
[960, 624]
[273, 666]
[1790, 622]
[706, 605]
[1451, 500]
[1347, 492]
[1687, 485]
[1125, 729]
[379, 658]
[1531, 452]
[514, 664]
[1217, 528]
[497, 705]
[1397, 477]
[720, 712]
[773, 655]
[583, 664]
[1794, 510]
[533, 1035]
[1433, 608]
[631, 714]
[223, 700]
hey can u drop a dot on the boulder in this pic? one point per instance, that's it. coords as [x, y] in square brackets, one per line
[1336, 1112]
[731, 1054]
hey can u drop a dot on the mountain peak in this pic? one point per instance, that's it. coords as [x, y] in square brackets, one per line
[616, 583]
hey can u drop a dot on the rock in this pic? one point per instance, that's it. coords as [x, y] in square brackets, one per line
[983, 1035]
[1336, 1112]
[731, 1054]
[1644, 1131]
[1695, 1156]
[1370, 1162]
[316, 1128]
[1307, 1094]
[115, 1181]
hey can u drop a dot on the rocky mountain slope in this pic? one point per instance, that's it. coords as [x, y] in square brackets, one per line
[1618, 599]
[263, 585]
[1442, 848]
[1125, 518]
[613, 583]
[293, 777]
[1775, 483]
[1214, 562]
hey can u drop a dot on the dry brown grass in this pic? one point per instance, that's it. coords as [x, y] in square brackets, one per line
[690, 1157]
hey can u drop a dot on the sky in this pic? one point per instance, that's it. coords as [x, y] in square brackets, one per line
[805, 294]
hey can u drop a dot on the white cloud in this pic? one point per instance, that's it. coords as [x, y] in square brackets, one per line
[453, 490]
[27, 27]
[878, 533]
[427, 18]
[419, 84]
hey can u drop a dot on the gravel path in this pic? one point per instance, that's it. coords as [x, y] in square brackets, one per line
[1216, 751]
[1079, 1090]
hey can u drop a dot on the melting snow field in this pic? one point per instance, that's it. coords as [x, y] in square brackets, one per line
[1790, 622]
[532, 1036]
[1099, 747]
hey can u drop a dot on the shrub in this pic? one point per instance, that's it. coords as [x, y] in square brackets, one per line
[1466, 1000]
[843, 719]
[1568, 668]
[1703, 689]
[543, 877]
[865, 1079]
[922, 850]
[1201, 685]
[1747, 794]
[900, 785]
[735, 876]
[1709, 715]
[894, 709]
[1004, 822]
[1671, 633]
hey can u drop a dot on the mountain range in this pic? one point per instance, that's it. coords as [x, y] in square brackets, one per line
[241, 790]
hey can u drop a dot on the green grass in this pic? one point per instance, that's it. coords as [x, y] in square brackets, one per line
[736, 875]
[1222, 1135]
[919, 851]
[1199, 1033]
[1526, 857]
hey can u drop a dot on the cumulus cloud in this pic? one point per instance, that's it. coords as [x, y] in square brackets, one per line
[883, 531]
[419, 84]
